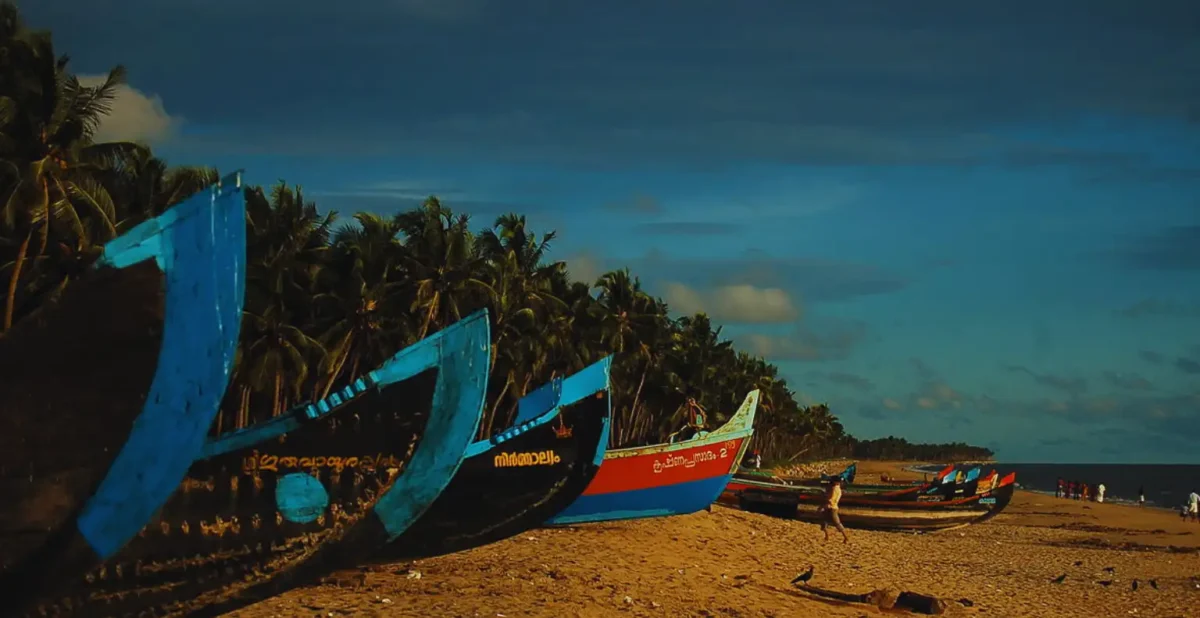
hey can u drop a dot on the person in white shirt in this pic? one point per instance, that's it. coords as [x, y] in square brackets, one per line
[1100, 492]
[1194, 505]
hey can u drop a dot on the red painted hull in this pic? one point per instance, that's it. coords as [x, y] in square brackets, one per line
[668, 467]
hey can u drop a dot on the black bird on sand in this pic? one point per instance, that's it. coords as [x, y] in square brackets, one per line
[1134, 585]
[1060, 579]
[1109, 569]
[1106, 583]
[804, 577]
[1078, 563]
[1154, 584]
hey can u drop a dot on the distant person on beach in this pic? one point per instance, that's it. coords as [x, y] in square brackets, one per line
[1194, 506]
[829, 510]
[1141, 496]
[1100, 492]
[1061, 488]
[1083, 492]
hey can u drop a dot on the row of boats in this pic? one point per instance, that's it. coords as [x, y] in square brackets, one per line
[117, 498]
[952, 499]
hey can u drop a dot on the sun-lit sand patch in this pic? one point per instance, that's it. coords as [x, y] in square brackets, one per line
[729, 563]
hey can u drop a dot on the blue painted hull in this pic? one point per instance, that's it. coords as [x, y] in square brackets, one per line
[313, 490]
[678, 499]
[92, 498]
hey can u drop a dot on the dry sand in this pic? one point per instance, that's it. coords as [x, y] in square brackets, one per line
[729, 563]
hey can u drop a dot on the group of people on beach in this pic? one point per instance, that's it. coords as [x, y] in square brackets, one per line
[1078, 490]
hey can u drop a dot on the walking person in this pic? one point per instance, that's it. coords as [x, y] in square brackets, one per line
[1100, 492]
[829, 510]
[1061, 488]
[1141, 496]
[1194, 506]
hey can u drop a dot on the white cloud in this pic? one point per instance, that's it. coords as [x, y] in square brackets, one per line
[742, 303]
[584, 267]
[135, 117]
[892, 404]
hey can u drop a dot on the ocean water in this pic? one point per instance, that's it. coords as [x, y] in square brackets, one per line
[1167, 486]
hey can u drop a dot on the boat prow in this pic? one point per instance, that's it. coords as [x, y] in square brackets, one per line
[665, 479]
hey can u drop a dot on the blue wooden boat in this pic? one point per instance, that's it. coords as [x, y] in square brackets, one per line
[521, 477]
[262, 502]
[665, 479]
[110, 391]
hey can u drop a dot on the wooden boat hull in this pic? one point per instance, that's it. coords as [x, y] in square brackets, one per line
[521, 477]
[116, 386]
[913, 493]
[265, 500]
[786, 502]
[665, 479]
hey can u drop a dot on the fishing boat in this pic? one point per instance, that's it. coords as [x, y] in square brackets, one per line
[805, 504]
[521, 477]
[941, 488]
[665, 479]
[109, 391]
[847, 476]
[261, 502]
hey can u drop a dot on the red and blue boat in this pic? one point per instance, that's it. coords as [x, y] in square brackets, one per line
[665, 479]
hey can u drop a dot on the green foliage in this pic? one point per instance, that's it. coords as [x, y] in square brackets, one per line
[326, 302]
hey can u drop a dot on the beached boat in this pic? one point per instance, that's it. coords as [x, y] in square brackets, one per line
[847, 476]
[665, 479]
[941, 488]
[805, 505]
[263, 501]
[109, 391]
[521, 477]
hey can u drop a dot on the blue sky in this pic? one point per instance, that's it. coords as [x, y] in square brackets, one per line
[948, 220]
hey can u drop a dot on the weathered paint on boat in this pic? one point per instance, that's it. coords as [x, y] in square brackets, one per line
[665, 479]
[100, 495]
[257, 511]
[522, 476]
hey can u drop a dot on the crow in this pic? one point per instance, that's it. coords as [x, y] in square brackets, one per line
[1060, 579]
[1154, 584]
[1109, 569]
[1134, 585]
[804, 577]
[1106, 583]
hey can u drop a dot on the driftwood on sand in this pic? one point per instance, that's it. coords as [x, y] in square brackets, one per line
[886, 598]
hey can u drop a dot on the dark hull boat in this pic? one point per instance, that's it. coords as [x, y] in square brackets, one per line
[791, 503]
[109, 392]
[262, 501]
[520, 478]
[942, 485]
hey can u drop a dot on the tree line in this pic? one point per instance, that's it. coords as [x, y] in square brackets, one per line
[328, 298]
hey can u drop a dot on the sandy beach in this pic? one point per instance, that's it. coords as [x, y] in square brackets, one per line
[729, 563]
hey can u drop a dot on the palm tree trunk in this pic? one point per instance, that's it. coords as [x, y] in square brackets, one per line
[633, 417]
[433, 305]
[10, 301]
[244, 409]
[487, 429]
[278, 389]
[340, 364]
